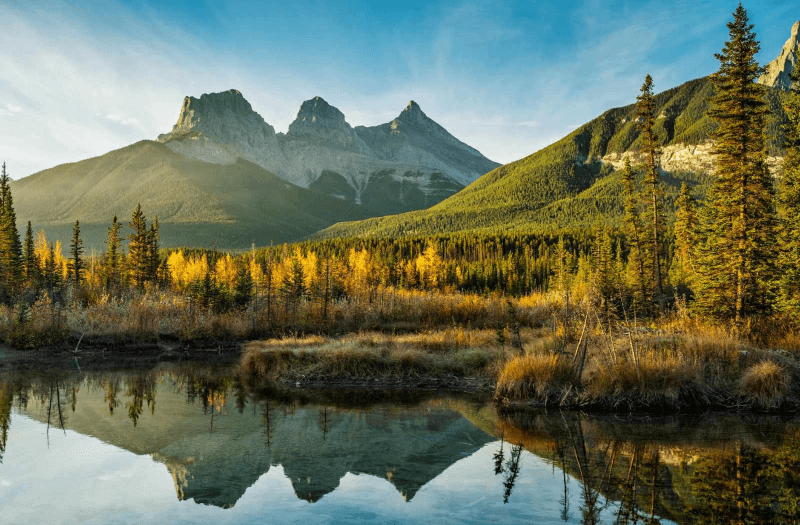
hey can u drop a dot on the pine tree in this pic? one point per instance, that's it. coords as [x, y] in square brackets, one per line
[646, 113]
[29, 257]
[154, 260]
[139, 248]
[76, 263]
[10, 247]
[112, 259]
[243, 292]
[789, 202]
[633, 230]
[681, 272]
[738, 223]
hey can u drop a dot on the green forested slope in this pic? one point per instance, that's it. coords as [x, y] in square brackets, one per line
[197, 203]
[565, 185]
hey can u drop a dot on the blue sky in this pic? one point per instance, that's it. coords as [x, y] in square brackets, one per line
[78, 79]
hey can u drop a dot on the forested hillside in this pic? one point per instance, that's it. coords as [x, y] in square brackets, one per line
[573, 183]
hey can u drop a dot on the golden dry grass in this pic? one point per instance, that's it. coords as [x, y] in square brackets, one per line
[534, 376]
[364, 355]
[765, 383]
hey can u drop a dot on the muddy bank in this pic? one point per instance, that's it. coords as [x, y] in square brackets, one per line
[103, 353]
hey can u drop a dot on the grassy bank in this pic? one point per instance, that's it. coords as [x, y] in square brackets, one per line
[676, 366]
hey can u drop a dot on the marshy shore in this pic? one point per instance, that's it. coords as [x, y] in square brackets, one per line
[526, 352]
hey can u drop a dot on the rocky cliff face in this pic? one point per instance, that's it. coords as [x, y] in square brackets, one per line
[409, 163]
[221, 127]
[778, 71]
[695, 158]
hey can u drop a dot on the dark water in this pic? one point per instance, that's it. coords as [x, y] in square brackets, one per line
[194, 445]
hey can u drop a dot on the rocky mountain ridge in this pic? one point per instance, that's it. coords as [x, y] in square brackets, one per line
[409, 163]
[777, 72]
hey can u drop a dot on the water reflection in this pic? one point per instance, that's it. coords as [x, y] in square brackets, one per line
[218, 434]
[712, 470]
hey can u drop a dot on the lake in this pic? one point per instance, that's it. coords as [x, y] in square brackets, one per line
[194, 444]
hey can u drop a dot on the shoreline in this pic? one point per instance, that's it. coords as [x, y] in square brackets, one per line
[366, 363]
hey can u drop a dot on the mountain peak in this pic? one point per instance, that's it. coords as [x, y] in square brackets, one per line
[214, 113]
[777, 72]
[314, 114]
[319, 120]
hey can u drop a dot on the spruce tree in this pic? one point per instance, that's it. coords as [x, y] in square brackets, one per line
[736, 258]
[681, 272]
[789, 202]
[154, 261]
[139, 248]
[76, 263]
[29, 257]
[646, 115]
[633, 231]
[112, 260]
[10, 246]
[243, 292]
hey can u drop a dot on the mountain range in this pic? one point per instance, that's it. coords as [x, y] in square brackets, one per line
[222, 176]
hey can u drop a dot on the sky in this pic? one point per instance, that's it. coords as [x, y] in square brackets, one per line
[81, 78]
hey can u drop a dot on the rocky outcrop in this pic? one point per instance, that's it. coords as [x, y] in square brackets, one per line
[221, 127]
[695, 158]
[409, 163]
[777, 72]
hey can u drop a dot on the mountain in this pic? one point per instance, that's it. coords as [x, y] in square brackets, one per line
[198, 203]
[777, 72]
[575, 182]
[409, 163]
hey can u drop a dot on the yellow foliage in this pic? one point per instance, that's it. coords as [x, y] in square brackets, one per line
[309, 264]
[225, 271]
[430, 266]
[183, 271]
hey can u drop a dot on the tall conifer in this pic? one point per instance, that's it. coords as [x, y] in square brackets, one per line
[139, 252]
[633, 230]
[29, 257]
[10, 246]
[737, 256]
[112, 262]
[76, 263]
[681, 272]
[646, 114]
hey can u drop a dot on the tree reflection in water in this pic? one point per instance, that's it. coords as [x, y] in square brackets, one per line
[141, 389]
[706, 479]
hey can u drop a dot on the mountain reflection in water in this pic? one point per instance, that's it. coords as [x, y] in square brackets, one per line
[218, 435]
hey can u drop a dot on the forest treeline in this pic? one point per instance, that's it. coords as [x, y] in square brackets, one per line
[732, 258]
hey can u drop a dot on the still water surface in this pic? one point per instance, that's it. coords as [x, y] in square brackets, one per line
[191, 444]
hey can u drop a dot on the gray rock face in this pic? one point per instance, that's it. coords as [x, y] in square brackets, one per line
[778, 71]
[219, 127]
[319, 121]
[409, 163]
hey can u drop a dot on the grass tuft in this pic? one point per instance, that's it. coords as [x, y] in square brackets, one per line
[765, 384]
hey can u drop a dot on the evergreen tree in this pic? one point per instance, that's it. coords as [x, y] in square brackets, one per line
[10, 247]
[681, 272]
[154, 261]
[112, 261]
[139, 248]
[76, 263]
[646, 114]
[243, 292]
[738, 223]
[789, 202]
[29, 257]
[633, 230]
